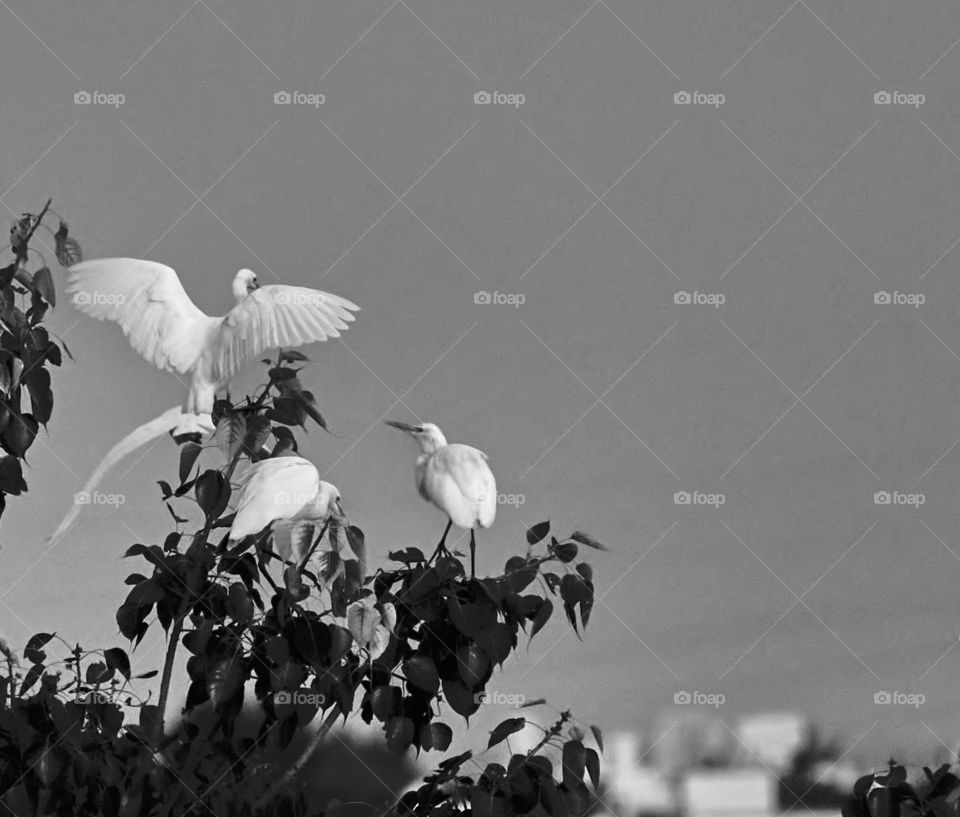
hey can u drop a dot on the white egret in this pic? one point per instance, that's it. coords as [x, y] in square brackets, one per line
[284, 490]
[163, 324]
[154, 311]
[456, 478]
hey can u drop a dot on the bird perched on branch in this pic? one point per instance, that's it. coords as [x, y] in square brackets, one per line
[154, 311]
[456, 478]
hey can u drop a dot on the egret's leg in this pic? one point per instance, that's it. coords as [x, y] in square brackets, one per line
[442, 547]
[473, 554]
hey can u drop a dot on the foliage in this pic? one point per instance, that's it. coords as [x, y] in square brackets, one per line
[303, 631]
[894, 794]
[25, 345]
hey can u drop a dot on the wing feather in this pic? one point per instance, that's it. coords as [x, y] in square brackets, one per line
[278, 316]
[149, 303]
[273, 489]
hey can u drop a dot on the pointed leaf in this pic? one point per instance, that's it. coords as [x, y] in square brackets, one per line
[188, 456]
[538, 532]
[503, 730]
[586, 539]
[43, 282]
[118, 660]
[542, 617]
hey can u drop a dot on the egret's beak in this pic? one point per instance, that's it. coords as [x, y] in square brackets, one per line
[252, 286]
[405, 427]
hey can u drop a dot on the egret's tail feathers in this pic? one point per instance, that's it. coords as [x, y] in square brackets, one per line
[135, 439]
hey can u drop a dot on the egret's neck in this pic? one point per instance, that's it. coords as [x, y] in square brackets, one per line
[240, 290]
[428, 445]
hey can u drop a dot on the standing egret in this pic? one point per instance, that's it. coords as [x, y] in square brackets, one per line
[456, 478]
[165, 326]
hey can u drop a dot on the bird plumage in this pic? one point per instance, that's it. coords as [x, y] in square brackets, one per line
[163, 324]
[280, 490]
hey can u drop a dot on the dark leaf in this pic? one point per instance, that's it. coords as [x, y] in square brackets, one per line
[41, 395]
[230, 434]
[188, 456]
[213, 493]
[118, 659]
[593, 767]
[43, 282]
[32, 676]
[503, 730]
[309, 405]
[538, 532]
[11, 475]
[67, 249]
[574, 763]
[33, 652]
[20, 434]
[597, 736]
[542, 617]
[420, 671]
[400, 733]
[291, 356]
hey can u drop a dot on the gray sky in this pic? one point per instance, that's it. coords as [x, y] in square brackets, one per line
[599, 397]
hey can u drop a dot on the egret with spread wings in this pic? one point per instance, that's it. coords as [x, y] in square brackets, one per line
[154, 311]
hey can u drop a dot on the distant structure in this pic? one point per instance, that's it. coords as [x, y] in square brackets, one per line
[772, 739]
[632, 787]
[691, 740]
[729, 793]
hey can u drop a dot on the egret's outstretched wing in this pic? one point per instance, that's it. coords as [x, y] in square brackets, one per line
[135, 439]
[278, 488]
[277, 316]
[462, 470]
[150, 304]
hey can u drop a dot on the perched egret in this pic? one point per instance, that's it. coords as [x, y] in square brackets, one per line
[280, 492]
[163, 324]
[455, 478]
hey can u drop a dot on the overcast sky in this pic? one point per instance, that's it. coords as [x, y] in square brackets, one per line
[586, 199]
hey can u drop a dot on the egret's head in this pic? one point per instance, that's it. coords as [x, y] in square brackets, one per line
[329, 497]
[244, 282]
[428, 436]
